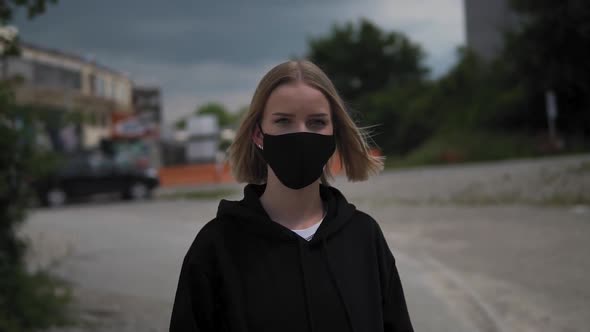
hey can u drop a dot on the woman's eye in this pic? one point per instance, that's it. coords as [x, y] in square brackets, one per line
[318, 123]
[282, 121]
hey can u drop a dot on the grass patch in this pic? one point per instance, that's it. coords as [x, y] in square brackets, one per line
[213, 194]
[461, 147]
[33, 301]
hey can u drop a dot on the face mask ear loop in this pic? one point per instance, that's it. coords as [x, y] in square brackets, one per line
[259, 128]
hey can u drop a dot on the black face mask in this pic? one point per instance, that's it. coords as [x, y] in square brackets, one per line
[297, 159]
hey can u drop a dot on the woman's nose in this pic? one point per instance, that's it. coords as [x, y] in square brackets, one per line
[301, 127]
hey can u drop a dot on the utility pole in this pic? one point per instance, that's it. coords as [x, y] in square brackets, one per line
[552, 113]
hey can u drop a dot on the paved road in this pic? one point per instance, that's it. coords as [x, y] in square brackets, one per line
[471, 256]
[128, 253]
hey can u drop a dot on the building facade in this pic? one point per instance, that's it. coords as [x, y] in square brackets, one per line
[486, 22]
[66, 82]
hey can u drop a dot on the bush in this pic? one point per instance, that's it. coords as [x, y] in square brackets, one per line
[28, 300]
[32, 300]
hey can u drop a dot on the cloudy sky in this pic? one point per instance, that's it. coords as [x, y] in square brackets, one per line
[200, 51]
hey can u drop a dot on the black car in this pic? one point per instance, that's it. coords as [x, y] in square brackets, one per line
[89, 173]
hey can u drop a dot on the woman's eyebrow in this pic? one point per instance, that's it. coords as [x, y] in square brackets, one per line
[315, 115]
[284, 114]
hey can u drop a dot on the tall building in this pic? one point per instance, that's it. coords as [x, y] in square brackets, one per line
[64, 82]
[147, 102]
[486, 21]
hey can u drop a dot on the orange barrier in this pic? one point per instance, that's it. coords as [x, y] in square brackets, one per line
[194, 174]
[212, 173]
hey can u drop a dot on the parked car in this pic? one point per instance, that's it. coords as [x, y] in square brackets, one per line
[90, 173]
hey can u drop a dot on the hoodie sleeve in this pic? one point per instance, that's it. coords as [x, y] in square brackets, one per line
[395, 312]
[193, 303]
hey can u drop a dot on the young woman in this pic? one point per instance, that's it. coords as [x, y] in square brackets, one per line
[293, 254]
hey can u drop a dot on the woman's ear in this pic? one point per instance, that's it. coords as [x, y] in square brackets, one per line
[257, 137]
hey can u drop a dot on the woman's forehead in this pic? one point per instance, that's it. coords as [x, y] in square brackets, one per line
[298, 99]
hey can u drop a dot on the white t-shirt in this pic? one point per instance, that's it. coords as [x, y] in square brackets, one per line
[308, 233]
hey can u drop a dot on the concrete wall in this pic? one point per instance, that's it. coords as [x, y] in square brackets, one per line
[485, 22]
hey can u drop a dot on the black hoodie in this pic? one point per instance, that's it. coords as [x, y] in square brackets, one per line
[245, 272]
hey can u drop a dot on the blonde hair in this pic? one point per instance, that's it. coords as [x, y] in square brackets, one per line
[246, 161]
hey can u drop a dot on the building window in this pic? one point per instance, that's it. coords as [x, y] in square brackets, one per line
[104, 120]
[100, 86]
[113, 90]
[93, 119]
[47, 75]
[155, 101]
[92, 84]
[122, 93]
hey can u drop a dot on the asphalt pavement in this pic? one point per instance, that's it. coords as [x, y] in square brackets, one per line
[472, 254]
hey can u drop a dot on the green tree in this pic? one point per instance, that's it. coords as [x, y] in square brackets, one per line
[478, 95]
[473, 96]
[400, 118]
[32, 7]
[362, 58]
[180, 124]
[550, 51]
[224, 118]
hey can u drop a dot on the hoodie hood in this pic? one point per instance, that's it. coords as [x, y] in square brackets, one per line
[249, 210]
